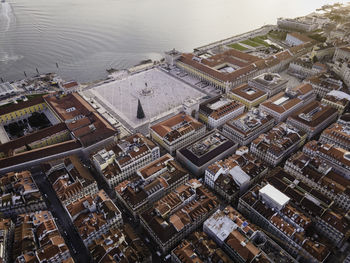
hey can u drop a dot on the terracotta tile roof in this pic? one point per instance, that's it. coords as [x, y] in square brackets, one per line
[292, 100]
[307, 116]
[243, 92]
[199, 247]
[9, 147]
[168, 220]
[73, 109]
[122, 244]
[278, 140]
[70, 84]
[247, 251]
[165, 128]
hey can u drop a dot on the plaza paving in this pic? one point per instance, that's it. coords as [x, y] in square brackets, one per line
[160, 95]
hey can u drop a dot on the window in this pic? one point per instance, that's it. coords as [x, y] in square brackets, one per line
[70, 109]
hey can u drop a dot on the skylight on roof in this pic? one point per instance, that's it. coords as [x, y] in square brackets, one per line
[281, 100]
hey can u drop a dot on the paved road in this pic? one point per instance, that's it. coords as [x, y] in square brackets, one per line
[72, 238]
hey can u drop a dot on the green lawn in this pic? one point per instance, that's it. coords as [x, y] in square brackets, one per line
[260, 40]
[238, 47]
[35, 95]
[250, 43]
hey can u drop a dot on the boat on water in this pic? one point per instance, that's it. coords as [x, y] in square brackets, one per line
[111, 70]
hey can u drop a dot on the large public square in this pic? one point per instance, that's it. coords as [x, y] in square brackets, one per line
[160, 94]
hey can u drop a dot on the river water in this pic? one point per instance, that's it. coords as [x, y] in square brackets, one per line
[85, 37]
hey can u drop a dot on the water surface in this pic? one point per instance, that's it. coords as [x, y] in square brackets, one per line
[85, 37]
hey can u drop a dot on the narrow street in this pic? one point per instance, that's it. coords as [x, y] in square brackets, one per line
[72, 238]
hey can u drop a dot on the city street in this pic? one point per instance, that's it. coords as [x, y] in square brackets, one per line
[76, 246]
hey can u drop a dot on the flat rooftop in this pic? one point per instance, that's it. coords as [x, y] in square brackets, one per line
[274, 194]
[207, 148]
[152, 87]
[249, 121]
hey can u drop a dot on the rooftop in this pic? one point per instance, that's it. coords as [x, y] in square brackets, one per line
[307, 202]
[339, 132]
[236, 171]
[92, 212]
[123, 153]
[279, 139]
[242, 63]
[313, 114]
[285, 101]
[121, 244]
[339, 94]
[198, 248]
[335, 99]
[274, 195]
[289, 220]
[70, 179]
[7, 89]
[320, 172]
[325, 80]
[335, 155]
[18, 189]
[176, 127]
[247, 123]
[157, 176]
[85, 123]
[268, 81]
[248, 92]
[9, 149]
[230, 227]
[21, 105]
[207, 148]
[218, 107]
[36, 236]
[166, 219]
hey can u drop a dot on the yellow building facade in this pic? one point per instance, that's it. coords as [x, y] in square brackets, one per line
[249, 104]
[11, 116]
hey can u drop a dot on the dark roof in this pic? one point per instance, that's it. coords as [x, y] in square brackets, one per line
[39, 153]
[204, 105]
[163, 232]
[208, 156]
[12, 145]
[21, 105]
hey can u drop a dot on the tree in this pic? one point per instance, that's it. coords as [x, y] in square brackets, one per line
[140, 112]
